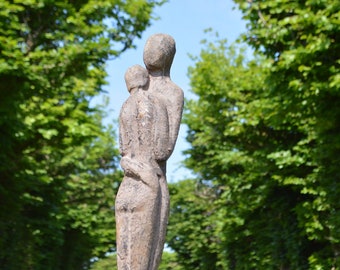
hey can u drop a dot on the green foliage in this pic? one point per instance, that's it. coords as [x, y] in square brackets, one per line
[57, 161]
[192, 226]
[301, 40]
[107, 263]
[264, 136]
[232, 137]
[169, 262]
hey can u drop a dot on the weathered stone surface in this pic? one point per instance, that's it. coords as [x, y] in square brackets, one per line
[149, 124]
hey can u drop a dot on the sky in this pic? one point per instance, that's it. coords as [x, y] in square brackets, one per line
[185, 21]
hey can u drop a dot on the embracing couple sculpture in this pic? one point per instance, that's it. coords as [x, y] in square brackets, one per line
[148, 128]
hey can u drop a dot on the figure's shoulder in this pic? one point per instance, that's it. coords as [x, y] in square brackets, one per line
[166, 90]
[129, 105]
[175, 86]
[176, 92]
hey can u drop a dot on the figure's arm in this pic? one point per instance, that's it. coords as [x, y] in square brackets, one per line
[127, 128]
[161, 130]
[141, 171]
[177, 110]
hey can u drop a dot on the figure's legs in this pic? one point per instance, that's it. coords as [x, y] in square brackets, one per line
[163, 222]
[137, 213]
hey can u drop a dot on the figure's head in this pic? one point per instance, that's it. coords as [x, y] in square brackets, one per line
[136, 77]
[159, 52]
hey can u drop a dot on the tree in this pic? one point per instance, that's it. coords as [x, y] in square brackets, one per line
[263, 136]
[301, 40]
[191, 229]
[232, 138]
[57, 161]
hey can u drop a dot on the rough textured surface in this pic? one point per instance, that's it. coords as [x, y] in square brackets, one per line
[148, 128]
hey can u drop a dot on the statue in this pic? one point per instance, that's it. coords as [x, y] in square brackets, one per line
[148, 128]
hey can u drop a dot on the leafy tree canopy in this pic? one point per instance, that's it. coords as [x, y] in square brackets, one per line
[264, 136]
[57, 161]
